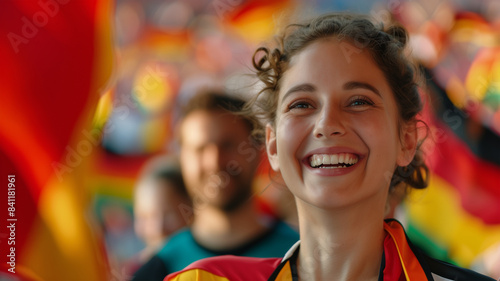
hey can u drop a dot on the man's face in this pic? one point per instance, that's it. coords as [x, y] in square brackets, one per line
[217, 158]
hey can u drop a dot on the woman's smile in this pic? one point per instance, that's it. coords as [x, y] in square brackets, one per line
[332, 161]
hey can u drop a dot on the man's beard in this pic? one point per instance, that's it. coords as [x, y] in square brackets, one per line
[241, 197]
[241, 191]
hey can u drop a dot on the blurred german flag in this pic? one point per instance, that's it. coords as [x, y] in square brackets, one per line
[56, 59]
[457, 218]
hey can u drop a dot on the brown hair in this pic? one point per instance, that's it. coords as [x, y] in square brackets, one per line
[385, 44]
[164, 168]
[218, 100]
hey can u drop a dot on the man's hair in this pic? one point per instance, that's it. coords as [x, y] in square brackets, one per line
[215, 100]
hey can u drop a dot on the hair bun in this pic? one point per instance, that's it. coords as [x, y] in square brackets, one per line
[398, 33]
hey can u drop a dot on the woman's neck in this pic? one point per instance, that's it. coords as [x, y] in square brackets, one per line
[340, 244]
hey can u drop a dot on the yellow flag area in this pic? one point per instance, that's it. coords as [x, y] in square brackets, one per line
[62, 246]
[257, 20]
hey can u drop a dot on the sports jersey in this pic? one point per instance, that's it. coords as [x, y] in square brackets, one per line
[182, 249]
[401, 261]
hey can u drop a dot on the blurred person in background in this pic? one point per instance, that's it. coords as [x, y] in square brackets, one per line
[159, 198]
[218, 160]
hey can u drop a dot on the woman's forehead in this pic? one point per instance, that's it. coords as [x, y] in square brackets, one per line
[330, 61]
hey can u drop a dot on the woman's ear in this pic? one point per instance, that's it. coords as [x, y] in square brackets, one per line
[409, 142]
[271, 147]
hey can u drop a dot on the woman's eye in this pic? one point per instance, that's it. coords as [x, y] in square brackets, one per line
[299, 105]
[360, 102]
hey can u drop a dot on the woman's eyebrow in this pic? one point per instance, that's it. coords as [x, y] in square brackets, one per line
[356, 85]
[305, 87]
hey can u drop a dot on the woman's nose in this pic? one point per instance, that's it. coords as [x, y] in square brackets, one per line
[329, 123]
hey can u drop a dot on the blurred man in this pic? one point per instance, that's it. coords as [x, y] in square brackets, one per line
[218, 162]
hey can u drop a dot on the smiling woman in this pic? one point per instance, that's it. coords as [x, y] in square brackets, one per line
[338, 114]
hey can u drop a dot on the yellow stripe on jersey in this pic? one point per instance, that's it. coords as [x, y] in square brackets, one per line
[198, 275]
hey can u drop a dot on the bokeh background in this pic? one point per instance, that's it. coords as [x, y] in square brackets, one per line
[90, 91]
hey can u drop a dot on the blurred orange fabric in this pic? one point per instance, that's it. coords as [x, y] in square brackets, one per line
[57, 57]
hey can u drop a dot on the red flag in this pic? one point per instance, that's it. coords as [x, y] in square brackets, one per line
[56, 58]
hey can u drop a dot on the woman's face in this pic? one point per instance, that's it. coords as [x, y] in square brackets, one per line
[336, 139]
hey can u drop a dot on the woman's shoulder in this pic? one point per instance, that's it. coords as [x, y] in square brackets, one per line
[227, 267]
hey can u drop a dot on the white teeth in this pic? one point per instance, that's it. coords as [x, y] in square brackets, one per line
[326, 159]
[346, 159]
[334, 158]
